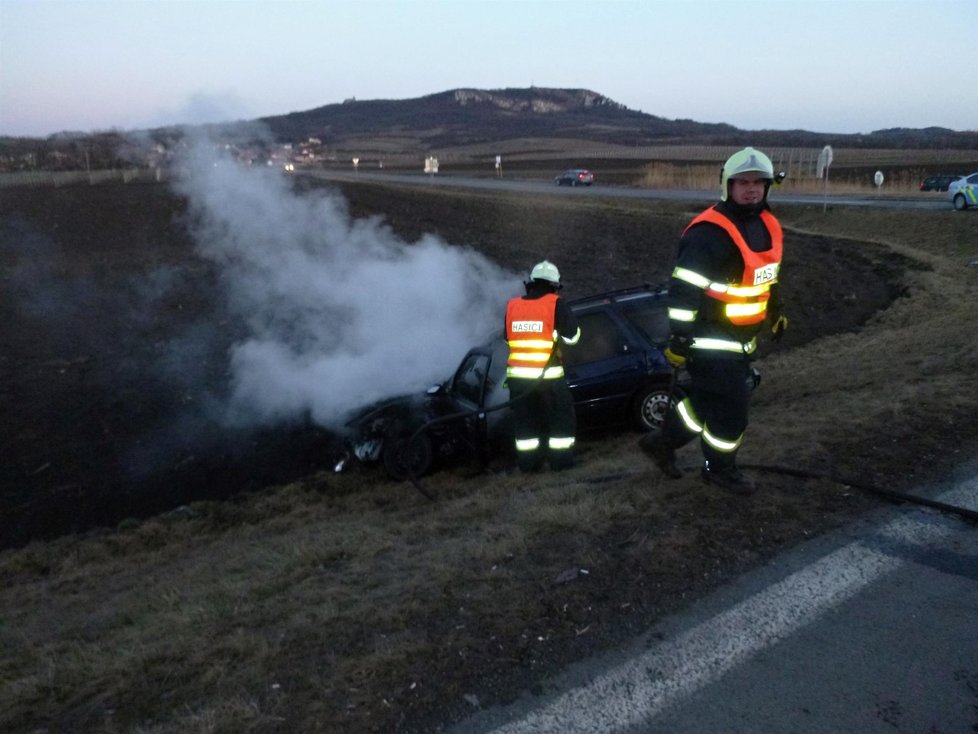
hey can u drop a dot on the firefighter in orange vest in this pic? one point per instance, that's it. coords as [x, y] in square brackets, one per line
[543, 409]
[723, 289]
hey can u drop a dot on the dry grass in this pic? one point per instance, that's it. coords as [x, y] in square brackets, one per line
[898, 181]
[912, 365]
[340, 603]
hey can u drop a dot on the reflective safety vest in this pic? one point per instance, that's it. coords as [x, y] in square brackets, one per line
[531, 334]
[746, 301]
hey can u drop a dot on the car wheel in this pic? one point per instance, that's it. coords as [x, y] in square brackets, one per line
[650, 406]
[407, 455]
[959, 202]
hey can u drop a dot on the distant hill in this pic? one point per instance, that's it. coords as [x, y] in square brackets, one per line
[472, 116]
[523, 118]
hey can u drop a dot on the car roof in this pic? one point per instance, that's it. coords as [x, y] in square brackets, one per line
[620, 295]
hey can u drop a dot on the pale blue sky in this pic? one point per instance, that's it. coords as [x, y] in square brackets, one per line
[823, 65]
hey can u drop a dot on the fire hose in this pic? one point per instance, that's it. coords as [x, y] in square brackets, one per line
[887, 494]
[412, 474]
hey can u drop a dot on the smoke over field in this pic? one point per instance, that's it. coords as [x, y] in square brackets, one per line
[338, 312]
[161, 346]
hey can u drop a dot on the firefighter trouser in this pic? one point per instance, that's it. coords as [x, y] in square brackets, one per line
[543, 421]
[715, 409]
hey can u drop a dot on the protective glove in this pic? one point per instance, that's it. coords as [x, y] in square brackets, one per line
[678, 350]
[779, 327]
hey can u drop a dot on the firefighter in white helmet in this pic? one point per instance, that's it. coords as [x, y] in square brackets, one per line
[724, 288]
[543, 409]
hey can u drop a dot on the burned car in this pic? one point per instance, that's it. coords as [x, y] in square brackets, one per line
[617, 374]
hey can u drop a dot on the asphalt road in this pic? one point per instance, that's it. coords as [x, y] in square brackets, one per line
[618, 192]
[871, 629]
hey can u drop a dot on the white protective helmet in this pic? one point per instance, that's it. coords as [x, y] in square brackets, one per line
[545, 270]
[745, 161]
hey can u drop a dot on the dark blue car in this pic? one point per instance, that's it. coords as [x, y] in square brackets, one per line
[616, 372]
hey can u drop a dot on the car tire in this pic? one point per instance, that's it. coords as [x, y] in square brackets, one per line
[403, 461]
[959, 202]
[650, 405]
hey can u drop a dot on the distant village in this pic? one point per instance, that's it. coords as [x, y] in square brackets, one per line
[114, 151]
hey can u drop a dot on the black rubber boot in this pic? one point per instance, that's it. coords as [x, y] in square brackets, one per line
[662, 454]
[729, 478]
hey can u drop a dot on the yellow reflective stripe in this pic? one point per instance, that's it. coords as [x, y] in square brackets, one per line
[685, 411]
[747, 291]
[682, 314]
[733, 289]
[720, 444]
[530, 344]
[530, 356]
[724, 345]
[741, 291]
[745, 309]
[690, 277]
[532, 373]
[561, 443]
[527, 444]
[574, 339]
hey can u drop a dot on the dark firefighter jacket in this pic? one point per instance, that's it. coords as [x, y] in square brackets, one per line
[708, 254]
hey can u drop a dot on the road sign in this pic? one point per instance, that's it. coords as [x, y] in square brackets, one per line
[824, 161]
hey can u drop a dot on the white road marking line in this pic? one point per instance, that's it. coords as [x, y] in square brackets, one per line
[636, 691]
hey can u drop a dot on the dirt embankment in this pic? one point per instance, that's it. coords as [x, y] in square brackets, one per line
[114, 335]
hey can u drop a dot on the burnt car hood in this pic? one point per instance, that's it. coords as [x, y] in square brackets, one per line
[408, 403]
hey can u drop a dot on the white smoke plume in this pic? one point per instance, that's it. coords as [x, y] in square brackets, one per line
[339, 312]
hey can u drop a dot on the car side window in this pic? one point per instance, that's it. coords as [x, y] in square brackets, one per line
[650, 318]
[600, 339]
[470, 377]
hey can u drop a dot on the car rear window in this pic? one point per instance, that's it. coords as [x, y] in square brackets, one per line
[600, 339]
[650, 319]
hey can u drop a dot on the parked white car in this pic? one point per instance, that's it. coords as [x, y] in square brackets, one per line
[964, 192]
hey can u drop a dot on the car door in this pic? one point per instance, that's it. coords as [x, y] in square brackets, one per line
[604, 368]
[468, 390]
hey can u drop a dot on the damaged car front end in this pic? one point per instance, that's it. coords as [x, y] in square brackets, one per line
[411, 434]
